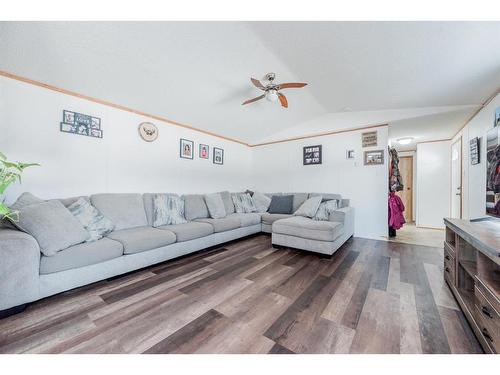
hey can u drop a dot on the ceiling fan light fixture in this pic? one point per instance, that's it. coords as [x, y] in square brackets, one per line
[272, 95]
[405, 141]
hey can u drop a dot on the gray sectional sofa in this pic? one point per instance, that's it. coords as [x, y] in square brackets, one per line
[27, 275]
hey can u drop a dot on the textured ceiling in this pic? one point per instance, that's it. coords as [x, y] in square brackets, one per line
[197, 73]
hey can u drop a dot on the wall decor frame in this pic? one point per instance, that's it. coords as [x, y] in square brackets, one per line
[186, 148]
[474, 151]
[80, 124]
[497, 117]
[148, 131]
[204, 151]
[369, 139]
[375, 157]
[312, 155]
[218, 157]
[350, 154]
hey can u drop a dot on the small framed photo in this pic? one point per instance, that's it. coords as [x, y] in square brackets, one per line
[312, 155]
[218, 155]
[203, 152]
[186, 149]
[350, 154]
[497, 116]
[374, 157]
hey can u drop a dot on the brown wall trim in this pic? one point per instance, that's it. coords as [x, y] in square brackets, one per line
[113, 105]
[333, 132]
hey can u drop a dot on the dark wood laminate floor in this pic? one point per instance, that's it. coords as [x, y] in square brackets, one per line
[246, 297]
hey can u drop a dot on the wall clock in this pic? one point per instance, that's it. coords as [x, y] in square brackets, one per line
[148, 131]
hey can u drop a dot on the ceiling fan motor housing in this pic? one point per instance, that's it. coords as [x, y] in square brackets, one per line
[270, 77]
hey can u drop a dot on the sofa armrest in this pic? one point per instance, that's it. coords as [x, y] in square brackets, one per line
[19, 268]
[345, 216]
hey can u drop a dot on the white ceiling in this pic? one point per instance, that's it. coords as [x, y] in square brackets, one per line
[197, 73]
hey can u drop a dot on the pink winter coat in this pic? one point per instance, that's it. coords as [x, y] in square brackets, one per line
[396, 209]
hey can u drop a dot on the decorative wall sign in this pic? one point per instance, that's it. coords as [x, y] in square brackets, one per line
[369, 139]
[78, 123]
[350, 154]
[497, 116]
[374, 157]
[148, 131]
[186, 149]
[218, 156]
[203, 151]
[312, 155]
[474, 151]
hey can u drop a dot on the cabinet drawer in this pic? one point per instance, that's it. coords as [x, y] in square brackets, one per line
[449, 266]
[490, 296]
[488, 320]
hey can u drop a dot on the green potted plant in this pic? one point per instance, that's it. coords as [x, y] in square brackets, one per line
[10, 172]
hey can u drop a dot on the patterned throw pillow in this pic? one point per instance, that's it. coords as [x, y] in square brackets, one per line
[92, 220]
[168, 210]
[325, 208]
[243, 203]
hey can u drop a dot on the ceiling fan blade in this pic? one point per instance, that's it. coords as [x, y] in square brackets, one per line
[291, 85]
[257, 83]
[254, 99]
[283, 101]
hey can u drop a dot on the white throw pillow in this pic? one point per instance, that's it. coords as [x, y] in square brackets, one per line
[92, 220]
[243, 203]
[215, 205]
[168, 210]
[325, 208]
[261, 201]
[309, 207]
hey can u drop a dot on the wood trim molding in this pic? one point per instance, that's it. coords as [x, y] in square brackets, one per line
[116, 106]
[333, 132]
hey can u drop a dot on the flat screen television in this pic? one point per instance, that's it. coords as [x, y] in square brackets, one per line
[493, 172]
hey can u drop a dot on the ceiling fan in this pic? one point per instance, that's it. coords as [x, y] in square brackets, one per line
[272, 90]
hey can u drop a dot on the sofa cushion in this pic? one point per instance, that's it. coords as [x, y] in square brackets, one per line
[261, 201]
[243, 203]
[247, 220]
[136, 240]
[52, 225]
[215, 205]
[92, 220]
[222, 225]
[281, 204]
[268, 218]
[309, 207]
[304, 227]
[190, 230]
[69, 201]
[124, 210]
[325, 209]
[81, 255]
[168, 210]
[195, 207]
[228, 202]
[25, 199]
[298, 200]
[326, 196]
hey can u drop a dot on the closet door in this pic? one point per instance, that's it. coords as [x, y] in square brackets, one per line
[406, 195]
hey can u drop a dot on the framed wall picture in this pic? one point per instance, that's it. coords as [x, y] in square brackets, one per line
[374, 157]
[78, 123]
[312, 155]
[497, 116]
[474, 151]
[203, 151]
[369, 139]
[350, 154]
[218, 156]
[148, 131]
[186, 149]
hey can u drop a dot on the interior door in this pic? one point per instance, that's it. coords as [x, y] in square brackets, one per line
[456, 179]
[406, 195]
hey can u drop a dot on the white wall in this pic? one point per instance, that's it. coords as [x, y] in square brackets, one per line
[119, 162]
[474, 176]
[433, 183]
[279, 168]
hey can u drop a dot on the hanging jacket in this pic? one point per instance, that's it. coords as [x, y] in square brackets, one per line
[396, 209]
[395, 180]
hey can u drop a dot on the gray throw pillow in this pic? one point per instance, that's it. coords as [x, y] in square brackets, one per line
[324, 210]
[92, 220]
[168, 210]
[309, 207]
[25, 199]
[52, 225]
[228, 202]
[243, 203]
[281, 204]
[261, 201]
[215, 206]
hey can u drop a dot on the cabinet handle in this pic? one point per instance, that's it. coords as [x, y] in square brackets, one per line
[486, 312]
[447, 257]
[447, 269]
[487, 335]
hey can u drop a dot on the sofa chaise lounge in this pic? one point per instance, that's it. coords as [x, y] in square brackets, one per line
[27, 275]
